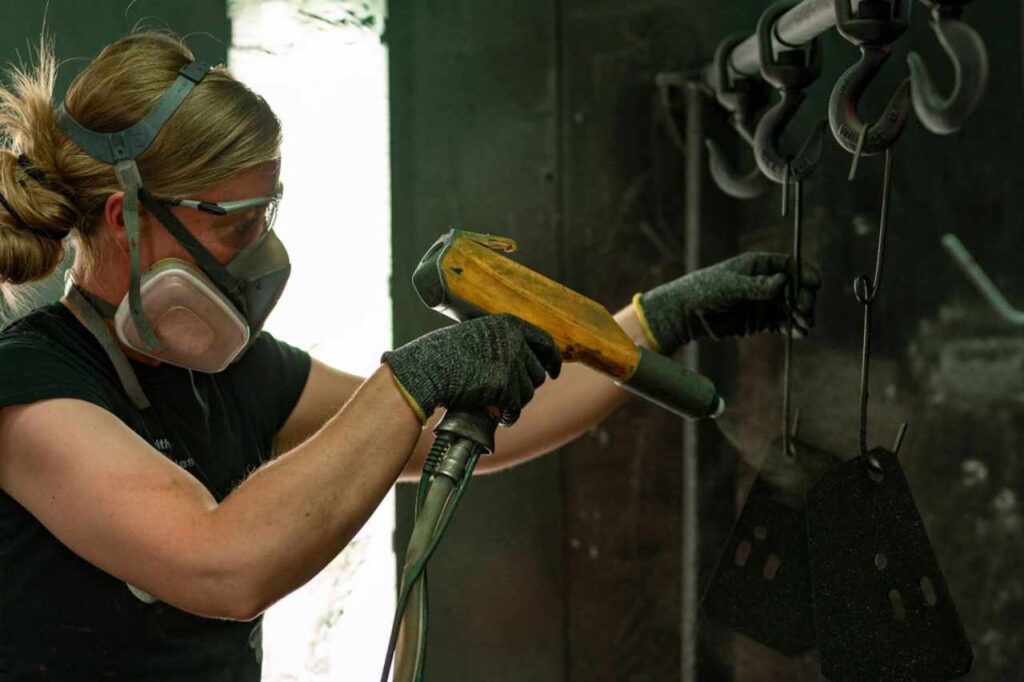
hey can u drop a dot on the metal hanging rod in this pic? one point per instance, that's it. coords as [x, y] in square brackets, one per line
[799, 25]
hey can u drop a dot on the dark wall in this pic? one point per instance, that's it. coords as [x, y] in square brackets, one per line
[537, 120]
[81, 29]
[475, 146]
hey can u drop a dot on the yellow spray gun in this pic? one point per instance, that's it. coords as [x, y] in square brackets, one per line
[466, 275]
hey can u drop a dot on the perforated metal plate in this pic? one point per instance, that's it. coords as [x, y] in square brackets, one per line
[761, 586]
[882, 608]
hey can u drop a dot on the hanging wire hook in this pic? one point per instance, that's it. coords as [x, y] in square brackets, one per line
[792, 294]
[966, 49]
[742, 97]
[866, 291]
[790, 73]
[876, 24]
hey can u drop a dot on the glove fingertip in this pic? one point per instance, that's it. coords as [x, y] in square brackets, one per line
[509, 417]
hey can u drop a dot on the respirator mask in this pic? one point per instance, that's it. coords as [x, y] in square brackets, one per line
[200, 316]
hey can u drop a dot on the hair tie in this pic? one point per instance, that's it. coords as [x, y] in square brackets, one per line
[41, 177]
[20, 222]
[33, 172]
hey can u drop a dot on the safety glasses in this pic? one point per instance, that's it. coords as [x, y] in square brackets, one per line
[225, 207]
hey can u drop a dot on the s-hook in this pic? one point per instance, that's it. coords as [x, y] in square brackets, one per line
[966, 49]
[873, 28]
[742, 97]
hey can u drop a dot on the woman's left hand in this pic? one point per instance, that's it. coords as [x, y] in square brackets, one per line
[743, 295]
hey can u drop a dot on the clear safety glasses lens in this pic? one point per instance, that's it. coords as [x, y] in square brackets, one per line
[270, 205]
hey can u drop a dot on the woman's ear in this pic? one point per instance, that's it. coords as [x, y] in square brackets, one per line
[113, 213]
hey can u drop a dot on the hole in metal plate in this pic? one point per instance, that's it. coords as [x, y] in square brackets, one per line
[742, 553]
[771, 567]
[928, 590]
[898, 612]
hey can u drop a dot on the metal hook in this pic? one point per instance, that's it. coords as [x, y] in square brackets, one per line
[966, 49]
[982, 281]
[876, 24]
[791, 72]
[741, 97]
[731, 181]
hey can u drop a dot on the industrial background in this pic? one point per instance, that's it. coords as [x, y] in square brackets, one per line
[540, 120]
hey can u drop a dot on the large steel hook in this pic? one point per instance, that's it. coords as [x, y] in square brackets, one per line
[742, 97]
[966, 49]
[791, 72]
[876, 24]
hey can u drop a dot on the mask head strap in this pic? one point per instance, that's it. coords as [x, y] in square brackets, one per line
[130, 143]
[121, 149]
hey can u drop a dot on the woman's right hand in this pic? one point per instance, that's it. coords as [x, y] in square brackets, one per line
[495, 360]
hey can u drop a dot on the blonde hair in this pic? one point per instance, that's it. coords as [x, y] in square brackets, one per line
[221, 129]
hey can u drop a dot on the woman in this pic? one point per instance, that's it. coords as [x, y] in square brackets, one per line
[152, 510]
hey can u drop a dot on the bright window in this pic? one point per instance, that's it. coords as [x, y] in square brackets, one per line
[321, 66]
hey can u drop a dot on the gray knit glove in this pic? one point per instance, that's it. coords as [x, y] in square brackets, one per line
[743, 295]
[495, 360]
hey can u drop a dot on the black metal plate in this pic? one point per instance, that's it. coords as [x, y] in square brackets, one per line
[882, 608]
[761, 586]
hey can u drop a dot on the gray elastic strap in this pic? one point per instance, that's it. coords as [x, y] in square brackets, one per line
[95, 323]
[128, 176]
[131, 142]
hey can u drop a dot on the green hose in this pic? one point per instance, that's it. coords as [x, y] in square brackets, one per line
[437, 498]
[413, 611]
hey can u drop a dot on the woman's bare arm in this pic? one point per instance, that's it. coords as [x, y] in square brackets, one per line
[121, 505]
